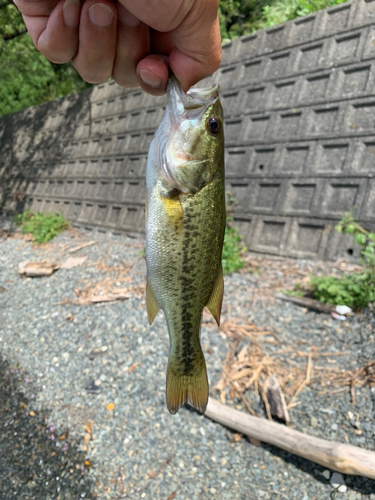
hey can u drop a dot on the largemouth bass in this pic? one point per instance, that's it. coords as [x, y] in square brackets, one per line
[185, 224]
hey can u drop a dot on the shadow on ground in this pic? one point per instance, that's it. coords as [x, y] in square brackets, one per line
[37, 461]
[357, 483]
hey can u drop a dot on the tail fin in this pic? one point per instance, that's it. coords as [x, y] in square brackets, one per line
[192, 389]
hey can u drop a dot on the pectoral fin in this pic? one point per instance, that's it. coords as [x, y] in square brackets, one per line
[216, 299]
[151, 303]
[193, 175]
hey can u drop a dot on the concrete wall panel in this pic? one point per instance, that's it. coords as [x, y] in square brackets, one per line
[299, 103]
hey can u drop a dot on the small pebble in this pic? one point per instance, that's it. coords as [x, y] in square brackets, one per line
[337, 480]
[326, 474]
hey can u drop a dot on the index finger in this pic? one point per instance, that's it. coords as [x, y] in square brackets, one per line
[197, 52]
[190, 28]
[53, 26]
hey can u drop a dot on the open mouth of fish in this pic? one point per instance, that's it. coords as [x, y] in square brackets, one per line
[182, 106]
[194, 99]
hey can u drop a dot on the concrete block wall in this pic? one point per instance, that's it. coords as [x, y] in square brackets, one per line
[299, 103]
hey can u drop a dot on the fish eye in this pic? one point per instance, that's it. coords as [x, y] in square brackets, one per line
[213, 125]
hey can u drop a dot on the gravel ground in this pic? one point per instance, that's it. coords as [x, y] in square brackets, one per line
[117, 440]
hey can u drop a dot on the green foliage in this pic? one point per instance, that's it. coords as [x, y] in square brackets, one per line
[354, 290]
[27, 77]
[239, 17]
[365, 239]
[285, 10]
[296, 292]
[43, 227]
[233, 249]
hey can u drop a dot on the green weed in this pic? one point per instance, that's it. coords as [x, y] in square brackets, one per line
[43, 227]
[233, 249]
[355, 290]
[296, 292]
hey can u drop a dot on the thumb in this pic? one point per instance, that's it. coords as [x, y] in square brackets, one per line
[197, 44]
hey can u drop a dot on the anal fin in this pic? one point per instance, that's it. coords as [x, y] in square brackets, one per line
[151, 303]
[216, 299]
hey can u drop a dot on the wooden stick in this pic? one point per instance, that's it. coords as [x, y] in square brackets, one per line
[80, 247]
[340, 457]
[309, 303]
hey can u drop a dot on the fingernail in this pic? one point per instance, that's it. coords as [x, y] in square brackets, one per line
[150, 79]
[101, 15]
[126, 18]
[72, 12]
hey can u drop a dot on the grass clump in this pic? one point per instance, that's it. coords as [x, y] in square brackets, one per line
[355, 290]
[43, 227]
[233, 249]
[296, 292]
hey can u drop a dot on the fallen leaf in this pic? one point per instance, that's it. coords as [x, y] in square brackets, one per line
[133, 367]
[87, 438]
[73, 262]
[222, 397]
[232, 392]
[110, 406]
[88, 427]
[62, 437]
[172, 495]
[242, 373]
[238, 437]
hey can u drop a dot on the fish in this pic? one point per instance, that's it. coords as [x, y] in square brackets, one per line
[185, 225]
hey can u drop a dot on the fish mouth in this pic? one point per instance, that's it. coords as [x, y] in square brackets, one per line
[195, 98]
[182, 106]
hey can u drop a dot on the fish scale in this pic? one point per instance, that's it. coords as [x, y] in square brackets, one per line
[185, 223]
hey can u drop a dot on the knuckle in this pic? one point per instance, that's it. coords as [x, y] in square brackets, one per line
[58, 59]
[57, 56]
[126, 81]
[92, 77]
[92, 73]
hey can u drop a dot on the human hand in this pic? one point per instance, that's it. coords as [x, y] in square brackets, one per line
[134, 41]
